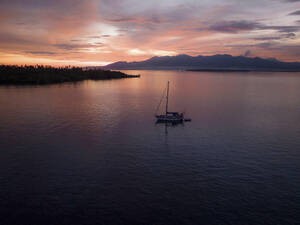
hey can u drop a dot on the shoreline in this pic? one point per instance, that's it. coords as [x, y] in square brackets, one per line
[43, 75]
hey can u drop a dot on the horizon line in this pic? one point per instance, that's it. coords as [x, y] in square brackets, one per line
[93, 64]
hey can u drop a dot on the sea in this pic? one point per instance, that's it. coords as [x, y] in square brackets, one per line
[91, 152]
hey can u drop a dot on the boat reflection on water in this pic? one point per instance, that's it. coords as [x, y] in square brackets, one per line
[168, 124]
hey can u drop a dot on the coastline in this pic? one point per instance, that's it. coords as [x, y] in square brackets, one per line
[43, 75]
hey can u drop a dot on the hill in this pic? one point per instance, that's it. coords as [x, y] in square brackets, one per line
[215, 63]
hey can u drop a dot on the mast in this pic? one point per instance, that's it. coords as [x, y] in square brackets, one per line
[167, 98]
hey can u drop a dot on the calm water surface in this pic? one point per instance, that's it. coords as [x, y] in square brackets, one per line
[91, 153]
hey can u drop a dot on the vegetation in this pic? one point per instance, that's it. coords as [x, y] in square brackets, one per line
[50, 75]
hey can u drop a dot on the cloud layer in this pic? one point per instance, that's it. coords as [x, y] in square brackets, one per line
[88, 32]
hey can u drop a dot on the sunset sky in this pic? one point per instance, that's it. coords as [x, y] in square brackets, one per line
[98, 32]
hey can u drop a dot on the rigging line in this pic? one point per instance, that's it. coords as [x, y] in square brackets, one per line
[162, 97]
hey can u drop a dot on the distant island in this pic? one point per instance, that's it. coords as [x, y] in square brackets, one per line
[19, 75]
[208, 63]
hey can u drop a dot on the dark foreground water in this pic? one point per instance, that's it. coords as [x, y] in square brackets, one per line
[90, 153]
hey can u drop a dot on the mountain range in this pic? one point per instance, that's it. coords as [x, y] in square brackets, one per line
[207, 63]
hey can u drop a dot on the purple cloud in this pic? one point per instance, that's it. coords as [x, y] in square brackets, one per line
[234, 26]
[296, 13]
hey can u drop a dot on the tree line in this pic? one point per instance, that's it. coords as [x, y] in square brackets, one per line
[40, 74]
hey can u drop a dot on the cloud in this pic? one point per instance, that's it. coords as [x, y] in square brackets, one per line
[244, 25]
[282, 29]
[67, 46]
[153, 19]
[95, 36]
[264, 45]
[247, 53]
[296, 13]
[41, 53]
[290, 35]
[106, 30]
[272, 49]
[151, 52]
[267, 38]
[234, 26]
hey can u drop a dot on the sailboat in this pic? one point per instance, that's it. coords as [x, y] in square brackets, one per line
[169, 117]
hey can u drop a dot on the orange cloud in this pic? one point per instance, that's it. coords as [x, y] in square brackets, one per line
[85, 32]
